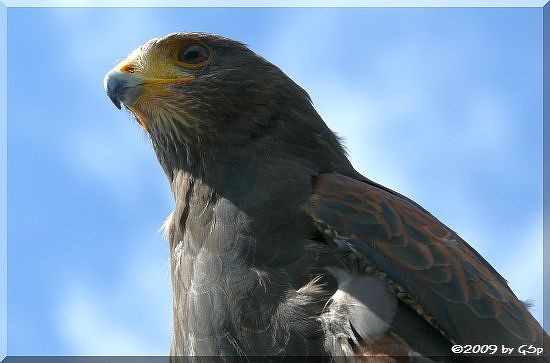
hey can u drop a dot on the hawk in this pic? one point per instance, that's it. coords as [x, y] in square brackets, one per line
[278, 246]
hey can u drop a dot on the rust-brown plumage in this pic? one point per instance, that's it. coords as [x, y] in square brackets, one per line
[431, 268]
[278, 246]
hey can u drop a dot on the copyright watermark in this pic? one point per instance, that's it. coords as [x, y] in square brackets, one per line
[525, 349]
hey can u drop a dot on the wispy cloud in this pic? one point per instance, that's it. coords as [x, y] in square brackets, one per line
[129, 315]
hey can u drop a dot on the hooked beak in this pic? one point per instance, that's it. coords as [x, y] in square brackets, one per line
[123, 87]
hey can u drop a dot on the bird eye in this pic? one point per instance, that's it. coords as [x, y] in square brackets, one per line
[193, 54]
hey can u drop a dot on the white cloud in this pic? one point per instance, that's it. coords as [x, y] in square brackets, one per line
[87, 330]
[120, 162]
[131, 315]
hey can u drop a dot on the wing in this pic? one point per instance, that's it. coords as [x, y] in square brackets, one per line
[433, 270]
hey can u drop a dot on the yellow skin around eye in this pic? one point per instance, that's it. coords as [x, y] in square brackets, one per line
[153, 72]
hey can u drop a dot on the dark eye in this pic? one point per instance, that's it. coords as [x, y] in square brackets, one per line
[193, 53]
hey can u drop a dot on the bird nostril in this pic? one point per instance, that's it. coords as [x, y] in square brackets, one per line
[128, 68]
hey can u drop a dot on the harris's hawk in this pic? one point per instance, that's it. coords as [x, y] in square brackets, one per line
[278, 246]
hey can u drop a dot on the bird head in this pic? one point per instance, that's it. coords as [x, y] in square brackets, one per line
[198, 93]
[198, 85]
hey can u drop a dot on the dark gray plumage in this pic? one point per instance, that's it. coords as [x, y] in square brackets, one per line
[278, 246]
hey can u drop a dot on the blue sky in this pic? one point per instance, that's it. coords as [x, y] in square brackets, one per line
[443, 105]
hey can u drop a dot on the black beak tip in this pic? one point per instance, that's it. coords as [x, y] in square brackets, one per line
[122, 88]
[113, 85]
[115, 100]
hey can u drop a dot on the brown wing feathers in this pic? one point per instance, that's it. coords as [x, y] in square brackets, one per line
[441, 274]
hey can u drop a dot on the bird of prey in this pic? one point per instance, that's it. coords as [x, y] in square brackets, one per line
[278, 246]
